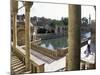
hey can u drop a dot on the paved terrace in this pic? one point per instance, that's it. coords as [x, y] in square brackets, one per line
[40, 56]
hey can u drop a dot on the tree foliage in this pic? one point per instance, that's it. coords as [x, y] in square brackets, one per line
[51, 22]
[84, 21]
[65, 21]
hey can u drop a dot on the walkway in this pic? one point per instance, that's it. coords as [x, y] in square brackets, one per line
[41, 56]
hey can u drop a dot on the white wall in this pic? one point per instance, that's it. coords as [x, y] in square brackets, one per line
[56, 65]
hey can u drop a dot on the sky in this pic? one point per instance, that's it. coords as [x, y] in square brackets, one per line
[56, 11]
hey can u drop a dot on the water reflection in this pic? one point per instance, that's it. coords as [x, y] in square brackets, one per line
[54, 43]
[60, 42]
[86, 35]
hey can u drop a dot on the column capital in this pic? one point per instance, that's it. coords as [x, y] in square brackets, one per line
[28, 5]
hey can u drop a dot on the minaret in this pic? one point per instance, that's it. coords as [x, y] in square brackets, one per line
[89, 19]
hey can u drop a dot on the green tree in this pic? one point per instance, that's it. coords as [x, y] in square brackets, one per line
[64, 20]
[84, 21]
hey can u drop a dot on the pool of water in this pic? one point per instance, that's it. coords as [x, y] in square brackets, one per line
[59, 42]
[54, 43]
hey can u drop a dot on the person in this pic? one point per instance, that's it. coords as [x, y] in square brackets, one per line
[87, 51]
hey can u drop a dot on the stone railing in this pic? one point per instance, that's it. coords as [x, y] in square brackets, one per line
[62, 52]
[84, 65]
[55, 54]
[37, 41]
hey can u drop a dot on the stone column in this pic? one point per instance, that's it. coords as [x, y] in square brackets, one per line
[27, 34]
[14, 10]
[33, 68]
[40, 69]
[74, 21]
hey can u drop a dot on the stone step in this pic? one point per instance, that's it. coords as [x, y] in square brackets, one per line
[18, 66]
[19, 69]
[14, 62]
[14, 57]
[27, 72]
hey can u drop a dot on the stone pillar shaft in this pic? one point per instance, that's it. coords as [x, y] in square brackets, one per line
[27, 34]
[14, 30]
[74, 37]
[14, 10]
[27, 39]
[40, 69]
